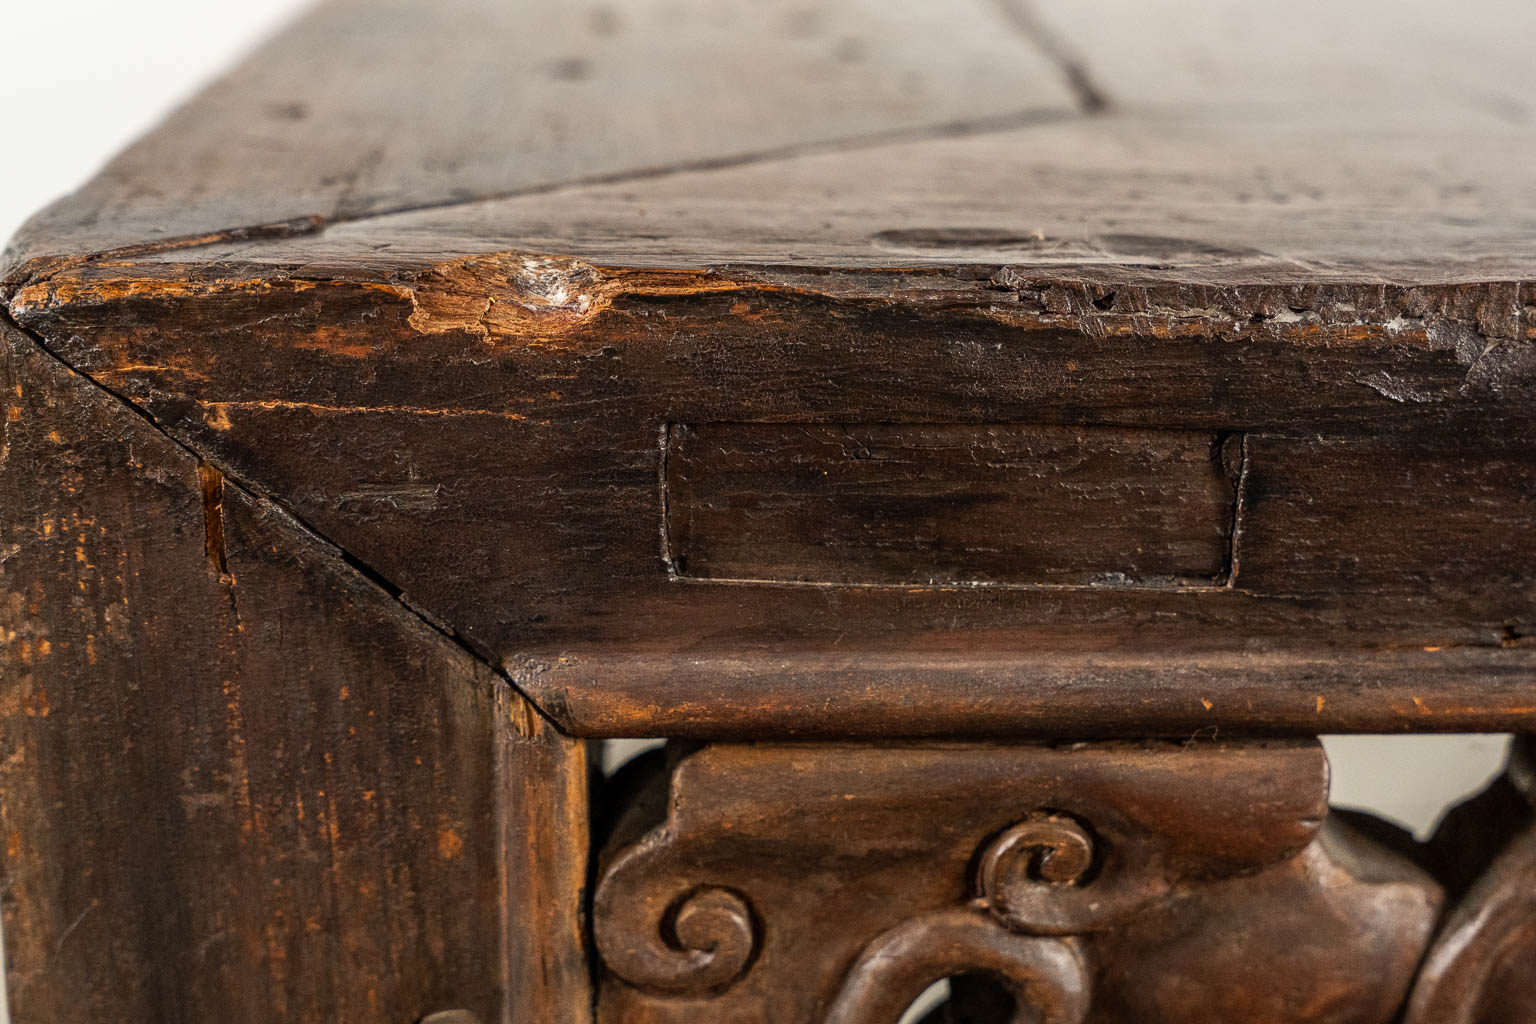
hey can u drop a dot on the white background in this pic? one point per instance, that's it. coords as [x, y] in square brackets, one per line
[81, 79]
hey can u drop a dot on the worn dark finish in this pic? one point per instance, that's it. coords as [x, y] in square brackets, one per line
[458, 381]
[457, 364]
[241, 781]
[1113, 883]
[1482, 967]
[996, 504]
[504, 474]
[369, 106]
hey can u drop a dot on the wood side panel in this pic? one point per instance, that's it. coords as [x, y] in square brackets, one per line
[240, 783]
[949, 503]
[543, 783]
[494, 453]
[1451, 516]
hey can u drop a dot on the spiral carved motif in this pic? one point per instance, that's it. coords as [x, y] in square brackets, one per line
[1033, 874]
[1047, 848]
[701, 942]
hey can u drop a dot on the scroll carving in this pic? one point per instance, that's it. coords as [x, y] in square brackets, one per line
[1107, 883]
[1034, 878]
[696, 941]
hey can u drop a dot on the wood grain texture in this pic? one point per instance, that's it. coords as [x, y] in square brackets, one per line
[1361, 58]
[468, 399]
[447, 344]
[1315, 511]
[484, 433]
[1112, 883]
[1208, 195]
[239, 779]
[366, 106]
[878, 504]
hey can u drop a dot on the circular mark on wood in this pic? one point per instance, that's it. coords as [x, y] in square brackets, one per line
[571, 69]
[1029, 246]
[949, 239]
[1166, 248]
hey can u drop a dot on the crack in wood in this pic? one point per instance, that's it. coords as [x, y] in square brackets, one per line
[214, 479]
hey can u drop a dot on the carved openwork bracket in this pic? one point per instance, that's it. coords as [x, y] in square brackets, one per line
[1112, 883]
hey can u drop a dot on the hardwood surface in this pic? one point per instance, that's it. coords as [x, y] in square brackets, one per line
[367, 106]
[241, 782]
[455, 381]
[953, 504]
[1102, 883]
[499, 288]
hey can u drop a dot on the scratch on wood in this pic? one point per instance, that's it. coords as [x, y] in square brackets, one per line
[1074, 68]
[664, 446]
[64, 937]
[211, 482]
[219, 420]
[1239, 475]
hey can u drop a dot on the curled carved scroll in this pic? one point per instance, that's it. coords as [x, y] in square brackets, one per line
[1047, 977]
[1050, 849]
[1188, 881]
[1031, 875]
[697, 939]
[1046, 876]
[700, 942]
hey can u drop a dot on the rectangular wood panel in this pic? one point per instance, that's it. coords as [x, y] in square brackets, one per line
[903, 504]
[1381, 515]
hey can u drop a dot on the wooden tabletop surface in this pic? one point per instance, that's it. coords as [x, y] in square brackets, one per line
[1369, 141]
[446, 279]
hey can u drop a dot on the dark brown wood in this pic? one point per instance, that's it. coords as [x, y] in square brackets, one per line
[996, 504]
[454, 382]
[368, 106]
[1323, 516]
[1482, 967]
[1111, 883]
[240, 780]
[505, 476]
[459, 358]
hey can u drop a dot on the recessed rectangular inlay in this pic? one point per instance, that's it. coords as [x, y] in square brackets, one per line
[935, 504]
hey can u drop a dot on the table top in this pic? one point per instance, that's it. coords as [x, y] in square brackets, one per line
[1371, 141]
[766, 367]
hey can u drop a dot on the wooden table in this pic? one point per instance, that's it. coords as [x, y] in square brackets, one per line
[990, 440]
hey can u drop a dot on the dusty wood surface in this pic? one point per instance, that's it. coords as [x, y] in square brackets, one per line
[501, 461]
[241, 782]
[366, 106]
[500, 288]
